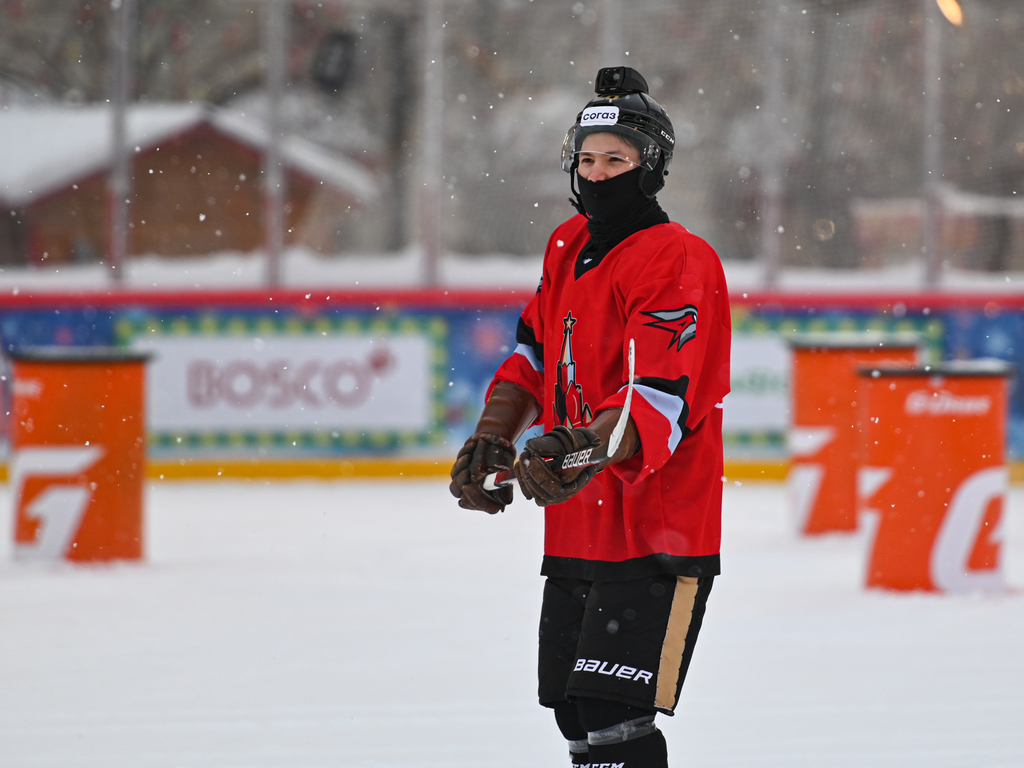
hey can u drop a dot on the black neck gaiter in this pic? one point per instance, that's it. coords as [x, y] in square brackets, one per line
[617, 208]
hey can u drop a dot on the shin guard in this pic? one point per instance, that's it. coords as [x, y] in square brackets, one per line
[648, 751]
[579, 752]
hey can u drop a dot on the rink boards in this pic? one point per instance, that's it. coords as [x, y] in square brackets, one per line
[347, 383]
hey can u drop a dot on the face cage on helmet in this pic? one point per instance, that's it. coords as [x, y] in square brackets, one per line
[649, 154]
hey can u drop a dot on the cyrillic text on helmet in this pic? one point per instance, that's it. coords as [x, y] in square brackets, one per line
[599, 116]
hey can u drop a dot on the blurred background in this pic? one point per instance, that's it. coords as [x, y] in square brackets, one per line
[322, 219]
[823, 134]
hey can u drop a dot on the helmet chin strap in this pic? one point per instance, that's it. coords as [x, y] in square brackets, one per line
[643, 175]
[660, 172]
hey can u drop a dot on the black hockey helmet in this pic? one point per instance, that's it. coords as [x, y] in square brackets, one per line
[624, 107]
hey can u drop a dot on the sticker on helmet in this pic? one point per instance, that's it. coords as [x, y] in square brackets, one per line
[599, 116]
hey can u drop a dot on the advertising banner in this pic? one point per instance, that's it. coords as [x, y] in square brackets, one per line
[252, 373]
[238, 380]
[347, 383]
[78, 459]
[758, 411]
[826, 433]
[933, 482]
[758, 404]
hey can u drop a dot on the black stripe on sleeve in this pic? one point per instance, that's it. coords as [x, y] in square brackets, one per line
[526, 335]
[674, 387]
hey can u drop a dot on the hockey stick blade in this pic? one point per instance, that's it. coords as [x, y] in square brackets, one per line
[588, 456]
[620, 425]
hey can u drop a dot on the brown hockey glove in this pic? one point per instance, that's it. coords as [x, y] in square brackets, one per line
[507, 413]
[482, 454]
[539, 467]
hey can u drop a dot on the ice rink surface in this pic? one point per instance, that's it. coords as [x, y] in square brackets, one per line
[365, 624]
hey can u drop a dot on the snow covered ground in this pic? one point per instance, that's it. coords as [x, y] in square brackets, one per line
[306, 625]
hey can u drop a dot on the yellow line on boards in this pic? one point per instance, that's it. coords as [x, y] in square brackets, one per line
[336, 469]
[756, 470]
[326, 469]
[398, 469]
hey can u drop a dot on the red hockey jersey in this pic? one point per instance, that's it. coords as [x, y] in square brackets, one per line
[659, 511]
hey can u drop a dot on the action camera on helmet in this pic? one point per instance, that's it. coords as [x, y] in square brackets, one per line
[619, 80]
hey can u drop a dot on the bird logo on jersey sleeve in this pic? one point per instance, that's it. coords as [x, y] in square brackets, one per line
[570, 408]
[681, 323]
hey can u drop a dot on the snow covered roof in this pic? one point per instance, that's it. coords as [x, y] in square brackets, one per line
[45, 148]
[301, 154]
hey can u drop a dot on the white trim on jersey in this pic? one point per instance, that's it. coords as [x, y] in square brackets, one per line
[527, 351]
[669, 406]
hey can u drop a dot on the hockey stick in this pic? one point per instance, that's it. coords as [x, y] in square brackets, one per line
[588, 456]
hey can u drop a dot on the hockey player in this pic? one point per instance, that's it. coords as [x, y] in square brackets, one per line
[632, 543]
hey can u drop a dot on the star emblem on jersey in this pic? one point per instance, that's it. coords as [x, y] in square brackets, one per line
[681, 323]
[570, 406]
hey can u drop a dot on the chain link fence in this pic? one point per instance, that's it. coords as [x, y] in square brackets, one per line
[848, 138]
[826, 97]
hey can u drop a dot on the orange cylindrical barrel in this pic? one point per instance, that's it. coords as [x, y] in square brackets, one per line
[934, 475]
[825, 433]
[78, 459]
